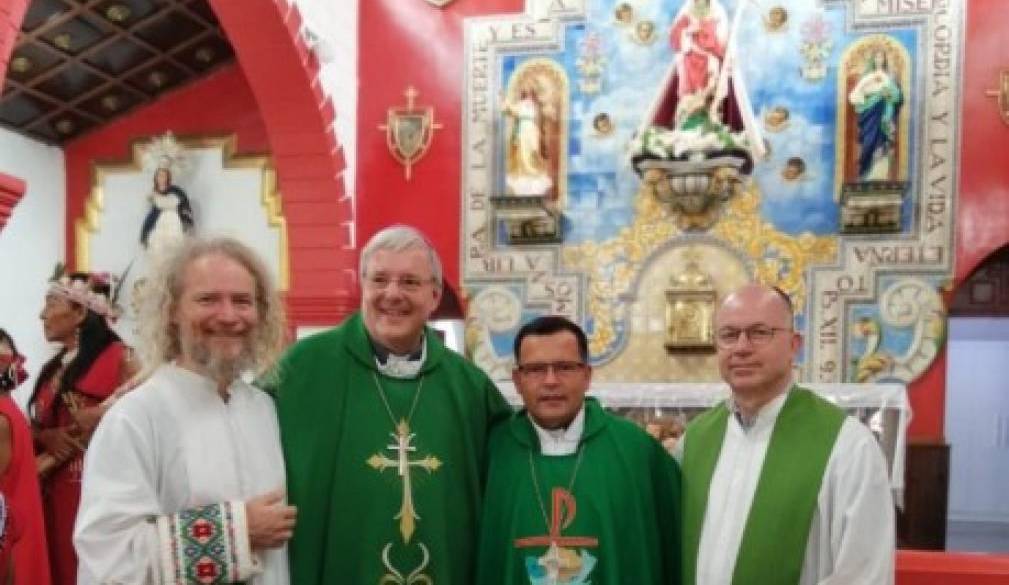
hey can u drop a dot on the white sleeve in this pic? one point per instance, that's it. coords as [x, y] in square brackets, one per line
[860, 511]
[122, 534]
[115, 534]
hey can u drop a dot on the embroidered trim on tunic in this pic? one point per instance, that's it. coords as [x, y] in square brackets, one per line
[206, 545]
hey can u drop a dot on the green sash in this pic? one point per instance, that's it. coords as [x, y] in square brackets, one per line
[777, 527]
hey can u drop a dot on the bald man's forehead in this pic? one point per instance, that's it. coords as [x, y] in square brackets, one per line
[753, 305]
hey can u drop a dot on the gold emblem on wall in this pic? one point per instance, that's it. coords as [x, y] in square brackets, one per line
[778, 258]
[1001, 95]
[690, 307]
[409, 131]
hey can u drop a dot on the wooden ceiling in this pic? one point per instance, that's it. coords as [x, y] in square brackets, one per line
[78, 64]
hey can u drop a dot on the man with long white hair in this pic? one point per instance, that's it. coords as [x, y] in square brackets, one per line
[184, 479]
[385, 432]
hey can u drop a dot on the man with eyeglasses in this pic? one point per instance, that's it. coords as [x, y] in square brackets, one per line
[574, 494]
[384, 432]
[780, 486]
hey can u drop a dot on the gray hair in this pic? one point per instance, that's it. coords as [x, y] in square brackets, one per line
[158, 340]
[399, 238]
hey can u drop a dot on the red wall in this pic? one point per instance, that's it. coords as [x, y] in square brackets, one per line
[414, 43]
[219, 104]
[283, 74]
[983, 204]
[983, 208]
[406, 43]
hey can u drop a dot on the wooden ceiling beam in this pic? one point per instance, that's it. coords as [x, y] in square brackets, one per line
[52, 107]
[185, 9]
[116, 33]
[61, 107]
[53, 23]
[113, 82]
[129, 32]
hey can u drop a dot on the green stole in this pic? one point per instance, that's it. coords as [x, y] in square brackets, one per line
[777, 527]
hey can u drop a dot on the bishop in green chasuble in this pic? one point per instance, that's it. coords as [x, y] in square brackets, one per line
[617, 523]
[387, 473]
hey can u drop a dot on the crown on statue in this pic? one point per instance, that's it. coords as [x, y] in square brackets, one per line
[164, 152]
[85, 289]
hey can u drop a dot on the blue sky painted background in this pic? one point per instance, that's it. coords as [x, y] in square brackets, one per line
[601, 184]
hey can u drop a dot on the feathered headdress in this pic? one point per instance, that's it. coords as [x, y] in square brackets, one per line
[87, 292]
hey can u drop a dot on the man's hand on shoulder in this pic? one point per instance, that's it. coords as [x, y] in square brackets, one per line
[270, 520]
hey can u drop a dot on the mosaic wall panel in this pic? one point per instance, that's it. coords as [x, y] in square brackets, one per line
[629, 162]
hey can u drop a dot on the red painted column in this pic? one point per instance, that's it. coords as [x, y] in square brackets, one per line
[12, 189]
[983, 205]
[983, 208]
[12, 12]
[284, 77]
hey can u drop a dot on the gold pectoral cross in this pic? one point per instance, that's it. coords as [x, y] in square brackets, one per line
[402, 446]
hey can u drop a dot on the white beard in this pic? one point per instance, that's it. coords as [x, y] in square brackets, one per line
[217, 366]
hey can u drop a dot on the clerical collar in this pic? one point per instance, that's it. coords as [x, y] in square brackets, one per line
[399, 366]
[557, 442]
[767, 413]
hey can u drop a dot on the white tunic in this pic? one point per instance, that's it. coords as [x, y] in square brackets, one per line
[851, 539]
[171, 445]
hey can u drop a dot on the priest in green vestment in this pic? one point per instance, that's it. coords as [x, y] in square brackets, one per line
[575, 495]
[780, 486]
[384, 432]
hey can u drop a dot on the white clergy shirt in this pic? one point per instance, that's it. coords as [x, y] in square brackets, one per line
[851, 538]
[173, 444]
[558, 442]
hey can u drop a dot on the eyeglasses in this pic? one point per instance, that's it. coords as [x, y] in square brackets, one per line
[727, 337]
[405, 283]
[538, 370]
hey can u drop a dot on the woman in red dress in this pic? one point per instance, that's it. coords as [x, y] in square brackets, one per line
[23, 544]
[67, 402]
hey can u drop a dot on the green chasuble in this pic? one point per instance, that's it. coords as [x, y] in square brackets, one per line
[619, 523]
[777, 527]
[377, 503]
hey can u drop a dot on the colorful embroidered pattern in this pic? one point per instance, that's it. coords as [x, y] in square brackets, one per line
[561, 566]
[203, 545]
